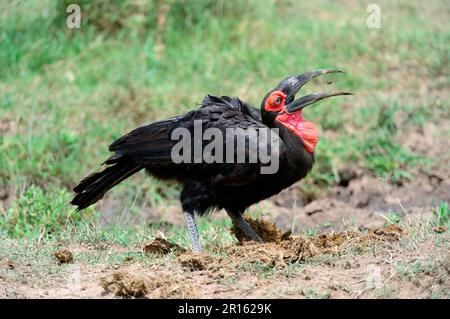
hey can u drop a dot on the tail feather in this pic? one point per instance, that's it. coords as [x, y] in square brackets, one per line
[93, 187]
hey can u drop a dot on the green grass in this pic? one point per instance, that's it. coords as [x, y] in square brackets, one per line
[414, 270]
[66, 94]
[393, 218]
[441, 215]
[38, 213]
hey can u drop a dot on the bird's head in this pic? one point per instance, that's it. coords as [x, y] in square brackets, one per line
[279, 106]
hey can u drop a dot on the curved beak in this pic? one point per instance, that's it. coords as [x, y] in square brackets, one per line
[311, 99]
[293, 84]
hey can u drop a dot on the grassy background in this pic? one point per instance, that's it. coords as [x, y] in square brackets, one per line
[66, 94]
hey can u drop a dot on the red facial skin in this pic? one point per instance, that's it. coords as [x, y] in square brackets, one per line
[275, 101]
[294, 122]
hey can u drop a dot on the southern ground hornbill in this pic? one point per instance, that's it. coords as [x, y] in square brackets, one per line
[208, 185]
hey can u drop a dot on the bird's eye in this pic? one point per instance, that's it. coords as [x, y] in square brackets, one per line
[277, 101]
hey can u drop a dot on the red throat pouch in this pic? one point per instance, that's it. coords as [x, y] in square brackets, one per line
[306, 130]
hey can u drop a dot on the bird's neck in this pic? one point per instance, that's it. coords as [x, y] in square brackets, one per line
[298, 161]
[305, 130]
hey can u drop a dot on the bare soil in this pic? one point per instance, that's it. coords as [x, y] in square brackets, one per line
[386, 262]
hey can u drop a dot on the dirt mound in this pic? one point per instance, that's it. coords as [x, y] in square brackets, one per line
[195, 261]
[178, 290]
[63, 256]
[169, 285]
[162, 247]
[124, 284]
[289, 250]
[390, 232]
[282, 249]
[266, 230]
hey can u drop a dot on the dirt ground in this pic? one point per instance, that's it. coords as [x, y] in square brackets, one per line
[371, 259]
[381, 263]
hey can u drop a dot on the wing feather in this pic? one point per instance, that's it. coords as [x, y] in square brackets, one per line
[151, 145]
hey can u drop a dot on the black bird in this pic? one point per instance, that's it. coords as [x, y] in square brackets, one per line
[206, 184]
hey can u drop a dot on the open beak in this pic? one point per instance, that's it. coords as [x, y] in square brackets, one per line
[294, 84]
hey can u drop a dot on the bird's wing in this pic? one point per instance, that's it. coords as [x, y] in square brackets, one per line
[150, 142]
[234, 102]
[151, 145]
[153, 141]
[254, 137]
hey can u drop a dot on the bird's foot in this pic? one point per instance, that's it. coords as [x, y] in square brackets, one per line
[193, 232]
[245, 227]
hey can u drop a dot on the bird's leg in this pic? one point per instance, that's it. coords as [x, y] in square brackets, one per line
[244, 227]
[193, 232]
